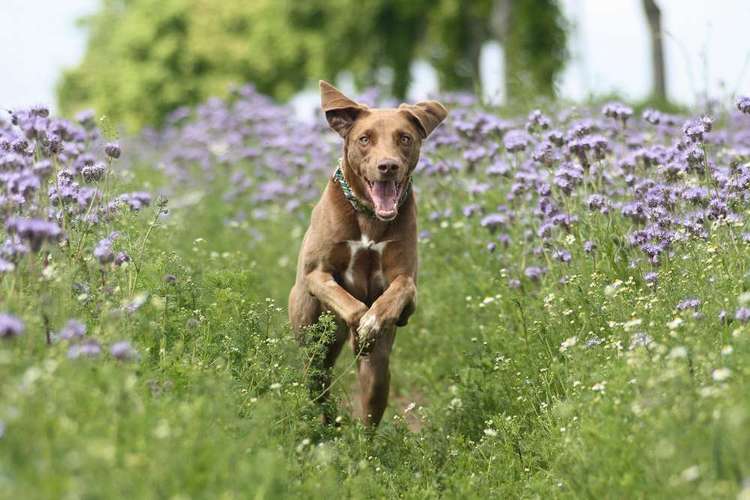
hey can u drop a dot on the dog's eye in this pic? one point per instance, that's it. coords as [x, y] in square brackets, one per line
[364, 140]
[405, 140]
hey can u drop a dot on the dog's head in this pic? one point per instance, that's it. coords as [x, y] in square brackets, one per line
[381, 145]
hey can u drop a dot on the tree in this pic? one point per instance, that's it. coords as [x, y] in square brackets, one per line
[532, 33]
[145, 58]
[658, 70]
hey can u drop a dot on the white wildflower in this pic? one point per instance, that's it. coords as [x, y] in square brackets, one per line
[568, 343]
[675, 323]
[691, 473]
[632, 325]
[678, 352]
[721, 374]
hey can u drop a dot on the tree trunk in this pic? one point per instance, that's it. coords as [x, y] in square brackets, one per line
[659, 79]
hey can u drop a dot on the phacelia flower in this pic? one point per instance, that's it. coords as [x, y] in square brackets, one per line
[743, 104]
[94, 173]
[742, 315]
[34, 231]
[123, 351]
[87, 349]
[112, 150]
[689, 304]
[10, 326]
[121, 258]
[103, 251]
[73, 329]
[534, 273]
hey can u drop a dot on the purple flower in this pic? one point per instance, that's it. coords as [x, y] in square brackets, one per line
[87, 349]
[10, 326]
[562, 256]
[598, 202]
[652, 116]
[691, 303]
[694, 130]
[121, 258]
[499, 167]
[534, 273]
[471, 209]
[136, 201]
[516, 141]
[40, 110]
[73, 329]
[589, 246]
[475, 154]
[112, 150]
[34, 231]
[94, 173]
[651, 278]
[123, 351]
[537, 120]
[742, 314]
[743, 104]
[86, 118]
[103, 251]
[617, 111]
[493, 221]
[514, 283]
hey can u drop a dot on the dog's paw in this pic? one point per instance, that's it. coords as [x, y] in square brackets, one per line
[369, 326]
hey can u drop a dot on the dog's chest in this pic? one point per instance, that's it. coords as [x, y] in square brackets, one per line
[361, 273]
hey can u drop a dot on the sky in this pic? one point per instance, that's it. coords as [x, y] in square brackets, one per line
[707, 49]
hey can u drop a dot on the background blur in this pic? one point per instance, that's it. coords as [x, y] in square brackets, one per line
[137, 60]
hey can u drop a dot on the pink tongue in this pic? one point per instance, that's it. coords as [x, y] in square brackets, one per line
[383, 195]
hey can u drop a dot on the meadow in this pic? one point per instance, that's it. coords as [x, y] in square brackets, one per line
[581, 329]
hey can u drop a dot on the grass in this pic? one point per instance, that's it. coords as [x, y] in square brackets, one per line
[540, 391]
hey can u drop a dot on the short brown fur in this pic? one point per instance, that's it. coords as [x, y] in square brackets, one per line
[373, 291]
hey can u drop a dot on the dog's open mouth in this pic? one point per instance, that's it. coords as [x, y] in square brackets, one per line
[385, 196]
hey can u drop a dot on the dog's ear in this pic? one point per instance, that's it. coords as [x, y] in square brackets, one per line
[340, 111]
[427, 115]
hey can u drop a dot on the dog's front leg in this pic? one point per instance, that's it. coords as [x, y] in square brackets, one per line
[392, 308]
[322, 285]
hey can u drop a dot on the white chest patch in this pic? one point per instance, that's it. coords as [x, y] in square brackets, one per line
[355, 246]
[366, 243]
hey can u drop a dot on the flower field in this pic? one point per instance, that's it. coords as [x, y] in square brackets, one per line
[582, 329]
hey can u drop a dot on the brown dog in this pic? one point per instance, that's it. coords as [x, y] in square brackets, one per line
[359, 255]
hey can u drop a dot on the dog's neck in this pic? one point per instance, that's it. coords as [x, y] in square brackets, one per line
[354, 181]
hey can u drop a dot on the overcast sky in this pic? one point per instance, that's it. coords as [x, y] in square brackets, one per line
[707, 48]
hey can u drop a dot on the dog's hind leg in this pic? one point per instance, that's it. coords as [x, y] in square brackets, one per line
[322, 358]
[321, 353]
[374, 377]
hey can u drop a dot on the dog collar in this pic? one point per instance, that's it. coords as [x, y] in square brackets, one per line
[338, 175]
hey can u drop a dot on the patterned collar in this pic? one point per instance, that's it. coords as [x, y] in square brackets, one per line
[338, 175]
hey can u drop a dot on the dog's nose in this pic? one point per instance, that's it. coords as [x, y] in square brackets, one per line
[387, 166]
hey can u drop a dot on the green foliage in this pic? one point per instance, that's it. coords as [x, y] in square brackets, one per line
[533, 392]
[535, 50]
[145, 58]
